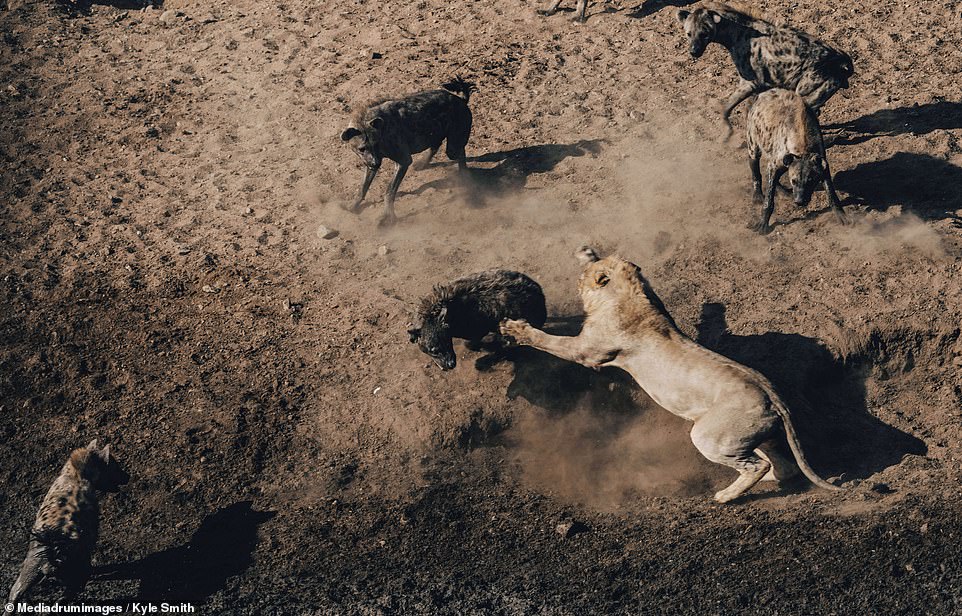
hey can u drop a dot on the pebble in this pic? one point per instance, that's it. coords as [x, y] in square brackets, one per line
[570, 528]
[326, 233]
[382, 250]
[168, 17]
[249, 210]
[210, 289]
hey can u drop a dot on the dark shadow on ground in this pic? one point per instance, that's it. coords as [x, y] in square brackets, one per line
[650, 7]
[915, 120]
[927, 186]
[83, 6]
[512, 169]
[826, 397]
[222, 547]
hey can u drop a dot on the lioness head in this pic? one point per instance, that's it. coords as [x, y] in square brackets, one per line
[598, 273]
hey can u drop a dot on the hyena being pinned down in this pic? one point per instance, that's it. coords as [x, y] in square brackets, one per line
[783, 129]
[767, 55]
[397, 128]
[64, 534]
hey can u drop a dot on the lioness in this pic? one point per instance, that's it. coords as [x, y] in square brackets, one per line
[739, 419]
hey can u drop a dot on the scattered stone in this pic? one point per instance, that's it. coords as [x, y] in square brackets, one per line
[249, 210]
[168, 17]
[326, 233]
[383, 250]
[376, 55]
[569, 528]
[210, 289]
[882, 488]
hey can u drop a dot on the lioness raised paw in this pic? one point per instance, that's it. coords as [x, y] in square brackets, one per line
[517, 331]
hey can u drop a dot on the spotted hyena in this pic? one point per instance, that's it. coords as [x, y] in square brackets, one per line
[64, 534]
[767, 55]
[786, 132]
[397, 128]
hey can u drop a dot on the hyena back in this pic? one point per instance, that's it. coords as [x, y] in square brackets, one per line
[65, 531]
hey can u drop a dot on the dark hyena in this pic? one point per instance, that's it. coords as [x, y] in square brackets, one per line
[64, 534]
[471, 308]
[397, 128]
[783, 129]
[579, 11]
[767, 55]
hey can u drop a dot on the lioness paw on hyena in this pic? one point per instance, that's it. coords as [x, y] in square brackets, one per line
[64, 533]
[767, 55]
[738, 418]
[786, 132]
[398, 128]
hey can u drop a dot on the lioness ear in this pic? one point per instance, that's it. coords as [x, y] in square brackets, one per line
[715, 17]
[349, 133]
[601, 279]
[376, 123]
[682, 15]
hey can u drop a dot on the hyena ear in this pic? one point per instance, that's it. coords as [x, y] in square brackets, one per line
[788, 159]
[715, 17]
[414, 333]
[376, 123]
[601, 279]
[105, 453]
[93, 445]
[349, 133]
[444, 312]
[586, 255]
[681, 15]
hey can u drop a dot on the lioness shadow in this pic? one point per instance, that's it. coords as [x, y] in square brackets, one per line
[512, 170]
[826, 398]
[220, 548]
[925, 185]
[915, 120]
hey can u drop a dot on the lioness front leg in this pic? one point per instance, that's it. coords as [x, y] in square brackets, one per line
[571, 348]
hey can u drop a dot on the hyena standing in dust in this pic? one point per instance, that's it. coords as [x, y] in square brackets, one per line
[64, 534]
[397, 128]
[785, 130]
[767, 55]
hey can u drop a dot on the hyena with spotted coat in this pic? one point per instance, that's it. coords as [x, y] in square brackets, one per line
[398, 128]
[64, 534]
[767, 55]
[783, 129]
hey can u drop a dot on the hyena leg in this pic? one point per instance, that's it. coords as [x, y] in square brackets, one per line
[369, 173]
[833, 199]
[774, 175]
[817, 97]
[551, 10]
[571, 348]
[425, 162]
[754, 162]
[30, 573]
[389, 217]
[751, 468]
[745, 89]
[581, 10]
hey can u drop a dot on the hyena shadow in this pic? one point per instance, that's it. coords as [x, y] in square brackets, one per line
[512, 169]
[82, 7]
[826, 397]
[925, 185]
[650, 7]
[915, 120]
[220, 548]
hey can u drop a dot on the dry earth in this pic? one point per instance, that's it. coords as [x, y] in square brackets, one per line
[165, 171]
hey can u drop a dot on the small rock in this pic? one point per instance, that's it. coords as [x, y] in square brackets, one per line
[210, 289]
[249, 210]
[168, 17]
[376, 55]
[383, 250]
[882, 488]
[570, 528]
[326, 233]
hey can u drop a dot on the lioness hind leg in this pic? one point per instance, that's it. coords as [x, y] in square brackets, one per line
[750, 471]
[717, 447]
[777, 452]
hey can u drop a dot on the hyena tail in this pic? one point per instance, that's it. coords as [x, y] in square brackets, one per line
[459, 87]
[30, 573]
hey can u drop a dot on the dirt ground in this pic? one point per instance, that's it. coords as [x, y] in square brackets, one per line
[164, 174]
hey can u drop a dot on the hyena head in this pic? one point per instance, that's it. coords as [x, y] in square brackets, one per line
[804, 174]
[700, 26]
[99, 467]
[433, 336]
[365, 141]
